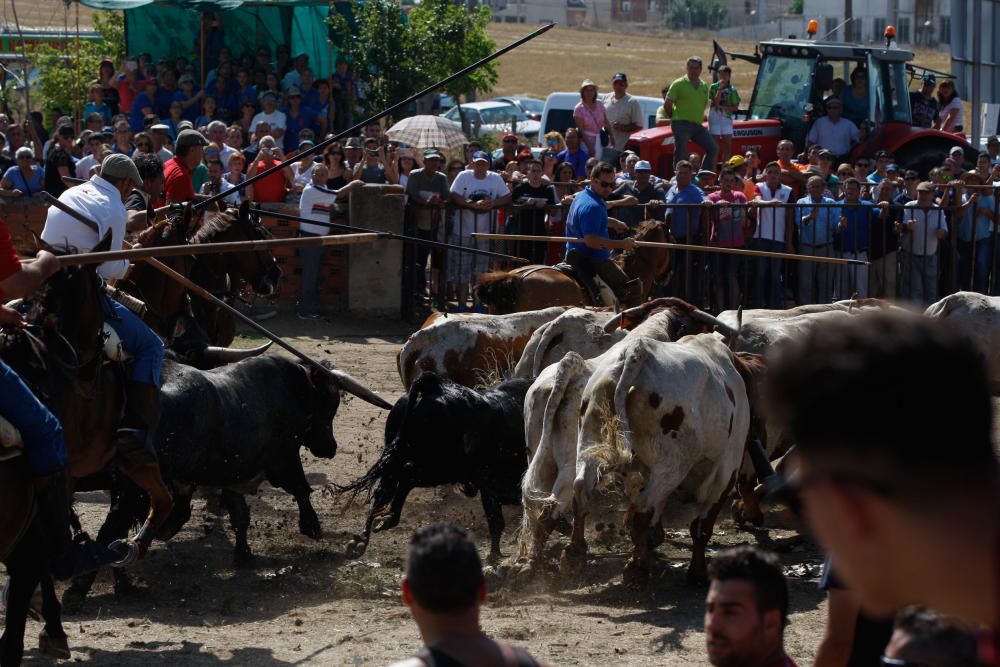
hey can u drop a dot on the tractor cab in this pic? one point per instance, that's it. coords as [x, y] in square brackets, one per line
[795, 76]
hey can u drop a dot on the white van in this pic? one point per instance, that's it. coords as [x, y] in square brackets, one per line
[558, 112]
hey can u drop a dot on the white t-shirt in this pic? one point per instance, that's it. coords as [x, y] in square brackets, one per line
[302, 178]
[275, 119]
[84, 166]
[315, 204]
[467, 185]
[923, 240]
[98, 200]
[771, 221]
[834, 137]
[955, 103]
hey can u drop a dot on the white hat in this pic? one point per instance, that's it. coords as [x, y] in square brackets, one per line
[643, 165]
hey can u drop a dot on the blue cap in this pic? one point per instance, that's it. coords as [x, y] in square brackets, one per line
[893, 167]
[480, 155]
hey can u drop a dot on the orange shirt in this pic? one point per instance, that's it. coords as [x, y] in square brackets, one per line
[272, 188]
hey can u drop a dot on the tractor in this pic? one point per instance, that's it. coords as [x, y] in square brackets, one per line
[794, 76]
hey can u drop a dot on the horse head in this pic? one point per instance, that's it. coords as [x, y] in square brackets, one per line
[258, 268]
[646, 262]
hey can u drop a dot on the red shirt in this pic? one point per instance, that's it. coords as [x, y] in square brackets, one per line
[272, 188]
[177, 183]
[9, 262]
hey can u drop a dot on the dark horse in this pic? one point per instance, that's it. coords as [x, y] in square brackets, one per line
[536, 286]
[63, 360]
[222, 274]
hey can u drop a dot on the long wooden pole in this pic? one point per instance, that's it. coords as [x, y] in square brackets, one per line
[680, 246]
[341, 379]
[385, 112]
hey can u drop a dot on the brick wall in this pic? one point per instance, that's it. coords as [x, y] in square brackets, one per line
[24, 214]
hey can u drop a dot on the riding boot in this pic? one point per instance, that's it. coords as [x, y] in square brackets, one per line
[632, 293]
[142, 412]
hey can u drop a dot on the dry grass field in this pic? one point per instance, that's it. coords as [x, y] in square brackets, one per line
[561, 58]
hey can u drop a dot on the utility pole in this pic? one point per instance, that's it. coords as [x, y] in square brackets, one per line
[893, 14]
[849, 19]
[977, 54]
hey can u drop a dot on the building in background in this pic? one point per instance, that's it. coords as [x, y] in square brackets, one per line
[918, 22]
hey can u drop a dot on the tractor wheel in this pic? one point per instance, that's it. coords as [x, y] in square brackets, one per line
[924, 155]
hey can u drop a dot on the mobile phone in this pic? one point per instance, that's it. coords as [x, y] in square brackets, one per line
[373, 153]
[131, 65]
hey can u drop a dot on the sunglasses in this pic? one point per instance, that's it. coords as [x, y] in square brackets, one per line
[605, 184]
[510, 141]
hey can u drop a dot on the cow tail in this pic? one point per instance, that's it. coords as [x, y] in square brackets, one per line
[632, 366]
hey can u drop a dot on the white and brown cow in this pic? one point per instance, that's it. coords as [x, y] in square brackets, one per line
[552, 412]
[978, 316]
[586, 331]
[470, 349]
[681, 415]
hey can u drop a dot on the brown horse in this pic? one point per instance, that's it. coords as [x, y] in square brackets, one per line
[66, 366]
[534, 287]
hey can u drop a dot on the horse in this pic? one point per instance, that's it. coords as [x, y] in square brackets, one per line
[67, 367]
[538, 286]
[223, 274]
[171, 312]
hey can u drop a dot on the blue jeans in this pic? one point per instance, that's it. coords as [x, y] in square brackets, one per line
[920, 277]
[44, 446]
[312, 260]
[974, 272]
[138, 340]
[767, 274]
[685, 132]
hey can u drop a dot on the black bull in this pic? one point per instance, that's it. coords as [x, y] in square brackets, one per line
[444, 433]
[231, 428]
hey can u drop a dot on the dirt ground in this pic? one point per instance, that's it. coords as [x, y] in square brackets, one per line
[306, 604]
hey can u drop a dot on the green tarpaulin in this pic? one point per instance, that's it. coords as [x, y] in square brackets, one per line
[168, 29]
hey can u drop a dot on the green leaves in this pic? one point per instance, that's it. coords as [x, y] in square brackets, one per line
[396, 54]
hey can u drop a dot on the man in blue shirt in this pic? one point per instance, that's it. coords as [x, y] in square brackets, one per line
[816, 226]
[851, 240]
[575, 154]
[685, 227]
[588, 220]
[975, 220]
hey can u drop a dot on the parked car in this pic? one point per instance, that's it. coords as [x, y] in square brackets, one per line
[491, 117]
[529, 105]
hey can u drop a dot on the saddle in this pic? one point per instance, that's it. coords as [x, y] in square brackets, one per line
[599, 294]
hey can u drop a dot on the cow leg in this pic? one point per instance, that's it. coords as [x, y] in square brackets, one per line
[494, 519]
[239, 519]
[52, 640]
[636, 574]
[701, 533]
[575, 553]
[377, 512]
[293, 480]
[746, 507]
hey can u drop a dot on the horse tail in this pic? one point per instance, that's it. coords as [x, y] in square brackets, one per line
[499, 289]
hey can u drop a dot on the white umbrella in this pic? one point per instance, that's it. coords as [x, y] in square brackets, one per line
[428, 132]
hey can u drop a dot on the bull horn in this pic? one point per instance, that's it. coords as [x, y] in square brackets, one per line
[699, 315]
[614, 323]
[229, 355]
[353, 386]
[732, 338]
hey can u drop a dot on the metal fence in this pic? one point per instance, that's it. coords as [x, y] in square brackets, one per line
[907, 257]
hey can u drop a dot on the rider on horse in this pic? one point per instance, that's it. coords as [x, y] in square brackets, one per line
[588, 220]
[101, 199]
[44, 447]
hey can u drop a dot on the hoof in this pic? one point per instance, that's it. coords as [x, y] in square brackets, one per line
[73, 600]
[573, 559]
[243, 559]
[311, 528]
[636, 574]
[54, 647]
[356, 548]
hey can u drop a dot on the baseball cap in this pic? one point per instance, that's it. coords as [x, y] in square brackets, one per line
[159, 127]
[956, 149]
[188, 138]
[893, 167]
[186, 78]
[431, 153]
[117, 165]
[185, 125]
[706, 173]
[736, 161]
[293, 91]
[931, 79]
[619, 76]
[825, 155]
[993, 139]
[643, 165]
[305, 143]
[925, 186]
[833, 101]
[353, 142]
[480, 155]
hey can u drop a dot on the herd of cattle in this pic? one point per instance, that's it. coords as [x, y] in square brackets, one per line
[534, 409]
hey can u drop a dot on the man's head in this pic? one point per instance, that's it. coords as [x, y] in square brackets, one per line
[150, 168]
[861, 167]
[619, 83]
[693, 67]
[874, 487]
[642, 170]
[927, 638]
[746, 609]
[261, 129]
[95, 145]
[772, 175]
[852, 189]
[696, 161]
[294, 97]
[320, 174]
[190, 147]
[534, 170]
[727, 180]
[834, 107]
[602, 179]
[683, 173]
[433, 160]
[572, 139]
[480, 164]
[216, 132]
[785, 149]
[120, 171]
[815, 187]
[444, 575]
[925, 193]
[509, 144]
[882, 160]
[215, 171]
[927, 85]
[725, 73]
[268, 103]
